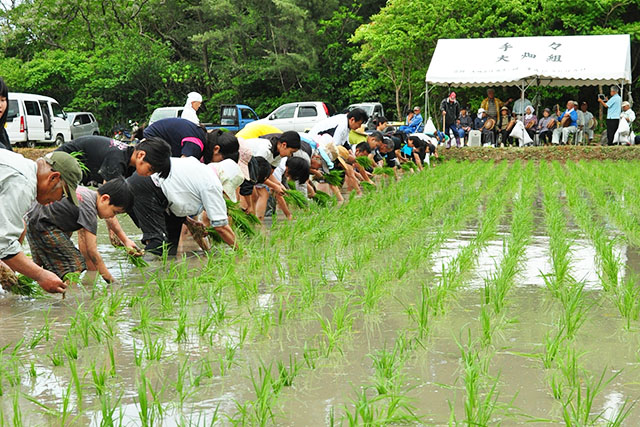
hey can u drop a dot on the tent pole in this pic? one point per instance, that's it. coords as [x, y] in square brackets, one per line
[522, 112]
[426, 104]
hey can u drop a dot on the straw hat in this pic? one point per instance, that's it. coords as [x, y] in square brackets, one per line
[361, 131]
[343, 155]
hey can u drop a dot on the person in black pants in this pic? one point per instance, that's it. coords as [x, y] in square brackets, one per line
[614, 108]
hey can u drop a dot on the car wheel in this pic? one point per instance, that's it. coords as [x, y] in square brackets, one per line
[30, 144]
[95, 133]
[59, 140]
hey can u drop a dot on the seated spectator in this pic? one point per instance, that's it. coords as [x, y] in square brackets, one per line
[466, 123]
[486, 126]
[504, 126]
[590, 122]
[530, 121]
[569, 124]
[545, 127]
[414, 122]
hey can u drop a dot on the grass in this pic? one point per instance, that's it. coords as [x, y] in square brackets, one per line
[341, 310]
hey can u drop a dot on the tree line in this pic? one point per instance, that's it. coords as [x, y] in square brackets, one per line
[121, 59]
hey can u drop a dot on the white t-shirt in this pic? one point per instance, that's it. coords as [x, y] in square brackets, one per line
[337, 126]
[261, 147]
[192, 187]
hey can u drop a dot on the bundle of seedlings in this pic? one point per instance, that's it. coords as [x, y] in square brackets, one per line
[409, 166]
[385, 170]
[364, 161]
[241, 220]
[335, 177]
[367, 186]
[296, 198]
[323, 199]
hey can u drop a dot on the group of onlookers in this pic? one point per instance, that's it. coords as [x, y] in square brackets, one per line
[498, 125]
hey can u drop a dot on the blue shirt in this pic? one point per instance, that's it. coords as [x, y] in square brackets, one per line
[573, 114]
[615, 108]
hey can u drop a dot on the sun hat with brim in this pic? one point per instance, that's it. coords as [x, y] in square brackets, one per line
[481, 110]
[343, 155]
[504, 108]
[625, 104]
[361, 131]
[69, 170]
[230, 176]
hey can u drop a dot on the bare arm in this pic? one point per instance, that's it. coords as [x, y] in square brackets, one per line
[114, 227]
[88, 245]
[282, 204]
[46, 279]
[227, 235]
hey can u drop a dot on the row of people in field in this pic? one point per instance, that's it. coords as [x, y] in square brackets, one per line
[178, 175]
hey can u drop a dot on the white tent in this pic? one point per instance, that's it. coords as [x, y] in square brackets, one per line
[526, 61]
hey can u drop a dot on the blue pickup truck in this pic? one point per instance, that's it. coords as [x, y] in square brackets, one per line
[234, 117]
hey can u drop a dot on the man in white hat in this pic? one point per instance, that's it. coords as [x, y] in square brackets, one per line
[625, 135]
[190, 112]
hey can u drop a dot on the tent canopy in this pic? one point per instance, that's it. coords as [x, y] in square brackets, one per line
[542, 61]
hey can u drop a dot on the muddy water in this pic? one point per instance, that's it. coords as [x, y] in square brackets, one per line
[432, 380]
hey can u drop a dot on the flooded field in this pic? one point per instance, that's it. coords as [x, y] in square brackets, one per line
[472, 293]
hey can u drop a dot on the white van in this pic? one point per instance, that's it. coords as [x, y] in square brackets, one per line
[35, 119]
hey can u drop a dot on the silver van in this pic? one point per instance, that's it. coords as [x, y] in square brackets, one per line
[82, 124]
[33, 119]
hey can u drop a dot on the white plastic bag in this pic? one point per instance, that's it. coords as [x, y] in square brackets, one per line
[520, 133]
[429, 127]
[622, 134]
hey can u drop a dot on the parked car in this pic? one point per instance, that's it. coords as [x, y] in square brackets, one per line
[373, 110]
[234, 117]
[35, 119]
[298, 116]
[82, 124]
[165, 113]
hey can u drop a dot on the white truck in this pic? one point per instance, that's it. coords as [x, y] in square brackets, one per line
[36, 119]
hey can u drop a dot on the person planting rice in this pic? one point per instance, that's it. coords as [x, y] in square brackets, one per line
[188, 139]
[410, 151]
[161, 206]
[387, 151]
[338, 126]
[22, 182]
[295, 169]
[49, 229]
[105, 159]
[272, 150]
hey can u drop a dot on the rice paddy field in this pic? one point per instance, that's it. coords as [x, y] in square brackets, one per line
[473, 293]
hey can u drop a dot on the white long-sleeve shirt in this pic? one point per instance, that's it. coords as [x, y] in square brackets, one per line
[190, 114]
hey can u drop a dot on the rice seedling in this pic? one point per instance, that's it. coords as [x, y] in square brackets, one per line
[241, 220]
[287, 375]
[384, 170]
[577, 408]
[296, 198]
[73, 368]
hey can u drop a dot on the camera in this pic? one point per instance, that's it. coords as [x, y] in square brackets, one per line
[601, 96]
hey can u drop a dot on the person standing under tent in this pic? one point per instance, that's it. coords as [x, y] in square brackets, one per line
[614, 109]
[493, 105]
[190, 112]
[450, 111]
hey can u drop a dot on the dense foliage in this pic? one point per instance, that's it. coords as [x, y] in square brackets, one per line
[121, 58]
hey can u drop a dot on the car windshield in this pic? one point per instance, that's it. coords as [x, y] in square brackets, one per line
[367, 108]
[162, 114]
[13, 109]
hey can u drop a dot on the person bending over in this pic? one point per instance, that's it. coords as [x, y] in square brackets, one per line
[49, 230]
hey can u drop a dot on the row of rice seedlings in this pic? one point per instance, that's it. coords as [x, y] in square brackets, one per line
[608, 204]
[384, 400]
[498, 284]
[622, 291]
[573, 385]
[456, 272]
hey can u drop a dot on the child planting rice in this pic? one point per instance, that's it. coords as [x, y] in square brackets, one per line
[49, 229]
